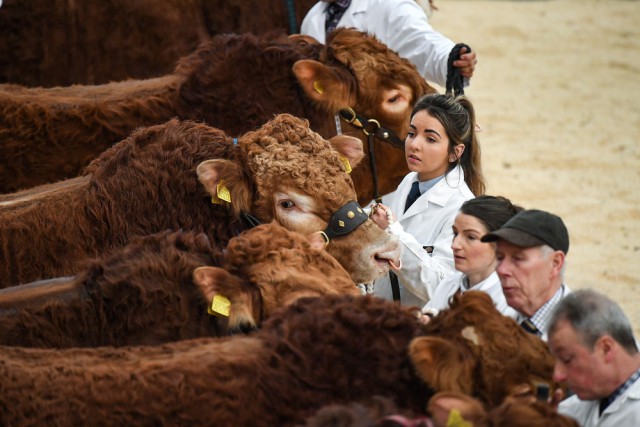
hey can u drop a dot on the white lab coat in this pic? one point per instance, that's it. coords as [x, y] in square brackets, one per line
[622, 412]
[400, 24]
[450, 285]
[427, 223]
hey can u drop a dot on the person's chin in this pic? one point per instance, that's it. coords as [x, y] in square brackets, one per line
[583, 395]
[512, 299]
[460, 265]
[413, 169]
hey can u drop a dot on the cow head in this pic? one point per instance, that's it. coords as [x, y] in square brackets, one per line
[285, 171]
[267, 267]
[473, 349]
[359, 72]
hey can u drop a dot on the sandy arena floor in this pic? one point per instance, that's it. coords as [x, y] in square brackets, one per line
[557, 92]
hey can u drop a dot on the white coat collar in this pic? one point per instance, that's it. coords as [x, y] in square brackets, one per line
[439, 194]
[357, 7]
[633, 392]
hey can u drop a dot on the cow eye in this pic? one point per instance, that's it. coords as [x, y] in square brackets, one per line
[287, 204]
[394, 99]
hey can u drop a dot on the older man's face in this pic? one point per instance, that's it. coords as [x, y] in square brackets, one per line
[528, 276]
[583, 369]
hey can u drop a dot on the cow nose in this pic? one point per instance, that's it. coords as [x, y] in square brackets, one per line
[389, 253]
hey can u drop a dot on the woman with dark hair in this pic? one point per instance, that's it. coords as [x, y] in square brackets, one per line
[475, 260]
[443, 155]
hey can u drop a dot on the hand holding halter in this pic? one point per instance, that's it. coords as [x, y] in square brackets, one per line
[381, 215]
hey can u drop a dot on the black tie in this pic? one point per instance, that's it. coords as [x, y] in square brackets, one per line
[413, 195]
[528, 326]
[334, 12]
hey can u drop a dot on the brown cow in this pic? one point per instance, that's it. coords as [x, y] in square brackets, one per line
[235, 83]
[315, 352]
[382, 412]
[145, 293]
[469, 348]
[149, 183]
[59, 43]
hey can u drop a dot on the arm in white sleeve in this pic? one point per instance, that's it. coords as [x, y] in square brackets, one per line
[409, 33]
[421, 272]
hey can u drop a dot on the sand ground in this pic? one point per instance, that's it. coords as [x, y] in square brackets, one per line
[557, 93]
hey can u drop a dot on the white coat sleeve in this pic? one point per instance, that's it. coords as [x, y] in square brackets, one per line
[421, 273]
[409, 33]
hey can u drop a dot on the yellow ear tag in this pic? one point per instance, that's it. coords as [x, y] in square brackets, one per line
[347, 165]
[223, 192]
[220, 306]
[456, 420]
[318, 87]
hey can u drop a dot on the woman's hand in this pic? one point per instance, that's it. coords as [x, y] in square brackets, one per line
[381, 215]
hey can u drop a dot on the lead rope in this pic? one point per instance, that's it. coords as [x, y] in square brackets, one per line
[291, 14]
[374, 169]
[455, 81]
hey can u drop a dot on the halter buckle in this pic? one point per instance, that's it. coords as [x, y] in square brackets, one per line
[347, 114]
[371, 121]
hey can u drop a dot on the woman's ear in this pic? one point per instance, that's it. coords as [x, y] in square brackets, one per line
[457, 153]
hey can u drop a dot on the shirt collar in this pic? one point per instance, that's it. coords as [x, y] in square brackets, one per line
[425, 186]
[441, 191]
[620, 390]
[542, 317]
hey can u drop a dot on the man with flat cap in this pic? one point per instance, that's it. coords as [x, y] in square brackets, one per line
[531, 248]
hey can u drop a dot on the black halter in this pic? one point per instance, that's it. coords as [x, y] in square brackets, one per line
[342, 222]
[372, 129]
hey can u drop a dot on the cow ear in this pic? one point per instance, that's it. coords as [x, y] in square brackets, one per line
[224, 181]
[441, 364]
[325, 85]
[218, 282]
[348, 147]
[303, 39]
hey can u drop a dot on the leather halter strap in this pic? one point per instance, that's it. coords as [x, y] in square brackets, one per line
[372, 129]
[345, 220]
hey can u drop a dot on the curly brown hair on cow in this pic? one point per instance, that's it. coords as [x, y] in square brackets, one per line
[112, 40]
[234, 82]
[142, 185]
[536, 414]
[312, 353]
[315, 352]
[142, 294]
[382, 412]
[368, 413]
[473, 347]
[149, 293]
[149, 182]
